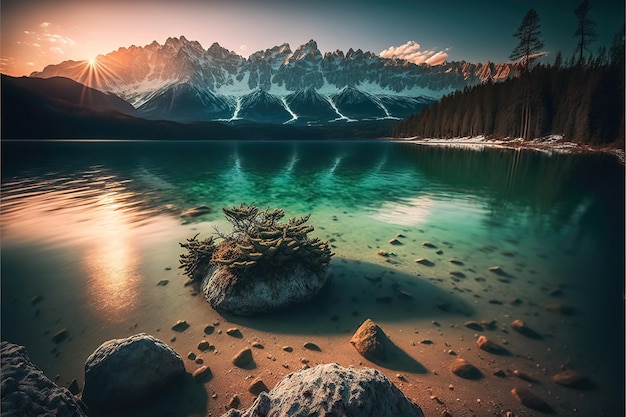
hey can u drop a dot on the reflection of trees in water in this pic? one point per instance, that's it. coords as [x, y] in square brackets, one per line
[577, 196]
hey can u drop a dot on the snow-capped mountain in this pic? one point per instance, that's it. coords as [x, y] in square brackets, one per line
[180, 80]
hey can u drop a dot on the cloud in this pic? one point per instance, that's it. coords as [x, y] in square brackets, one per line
[243, 47]
[411, 51]
[30, 64]
[60, 39]
[57, 50]
[45, 24]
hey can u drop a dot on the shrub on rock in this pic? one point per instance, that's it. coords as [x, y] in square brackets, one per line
[262, 265]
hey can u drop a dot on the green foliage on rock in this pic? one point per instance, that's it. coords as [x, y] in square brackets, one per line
[196, 261]
[259, 241]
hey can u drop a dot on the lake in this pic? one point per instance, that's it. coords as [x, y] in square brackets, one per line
[92, 227]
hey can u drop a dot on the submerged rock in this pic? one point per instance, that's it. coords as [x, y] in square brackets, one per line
[269, 291]
[521, 327]
[345, 392]
[26, 391]
[196, 211]
[124, 371]
[572, 379]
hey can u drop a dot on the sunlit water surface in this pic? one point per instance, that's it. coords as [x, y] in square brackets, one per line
[92, 227]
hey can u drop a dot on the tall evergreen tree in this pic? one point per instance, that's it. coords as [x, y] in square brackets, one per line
[529, 42]
[616, 54]
[586, 31]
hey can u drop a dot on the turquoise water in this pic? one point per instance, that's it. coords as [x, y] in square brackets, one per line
[92, 226]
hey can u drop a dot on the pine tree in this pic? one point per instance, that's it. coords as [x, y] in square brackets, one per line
[586, 31]
[558, 61]
[616, 53]
[529, 42]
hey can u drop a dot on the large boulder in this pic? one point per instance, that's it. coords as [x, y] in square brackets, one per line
[270, 290]
[124, 371]
[331, 390]
[26, 391]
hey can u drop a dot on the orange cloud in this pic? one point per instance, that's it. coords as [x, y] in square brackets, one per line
[411, 51]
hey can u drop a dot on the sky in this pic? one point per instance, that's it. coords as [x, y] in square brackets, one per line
[36, 33]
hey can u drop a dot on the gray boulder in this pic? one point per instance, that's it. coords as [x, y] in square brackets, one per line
[26, 391]
[270, 291]
[124, 371]
[331, 390]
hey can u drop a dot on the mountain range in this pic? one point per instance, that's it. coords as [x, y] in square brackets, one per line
[182, 81]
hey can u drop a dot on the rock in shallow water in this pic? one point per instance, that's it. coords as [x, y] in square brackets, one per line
[123, 371]
[267, 292]
[330, 389]
[26, 391]
[368, 340]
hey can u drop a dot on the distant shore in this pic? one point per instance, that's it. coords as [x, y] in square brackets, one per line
[550, 144]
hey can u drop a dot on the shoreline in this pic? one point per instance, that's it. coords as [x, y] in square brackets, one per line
[549, 144]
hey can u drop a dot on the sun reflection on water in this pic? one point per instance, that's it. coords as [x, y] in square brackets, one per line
[111, 262]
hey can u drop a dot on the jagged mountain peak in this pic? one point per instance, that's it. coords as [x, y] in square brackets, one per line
[359, 82]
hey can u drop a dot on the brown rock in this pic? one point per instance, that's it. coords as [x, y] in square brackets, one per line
[191, 356]
[73, 387]
[455, 262]
[234, 402]
[234, 332]
[60, 336]
[457, 274]
[243, 358]
[572, 379]
[474, 325]
[488, 324]
[36, 299]
[395, 241]
[491, 347]
[204, 345]
[522, 328]
[312, 346]
[180, 326]
[464, 369]
[499, 372]
[561, 308]
[203, 373]
[524, 376]
[429, 245]
[257, 386]
[258, 345]
[209, 329]
[368, 341]
[529, 399]
[287, 348]
[382, 253]
[424, 261]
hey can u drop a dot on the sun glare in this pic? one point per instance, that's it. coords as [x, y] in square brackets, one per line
[92, 61]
